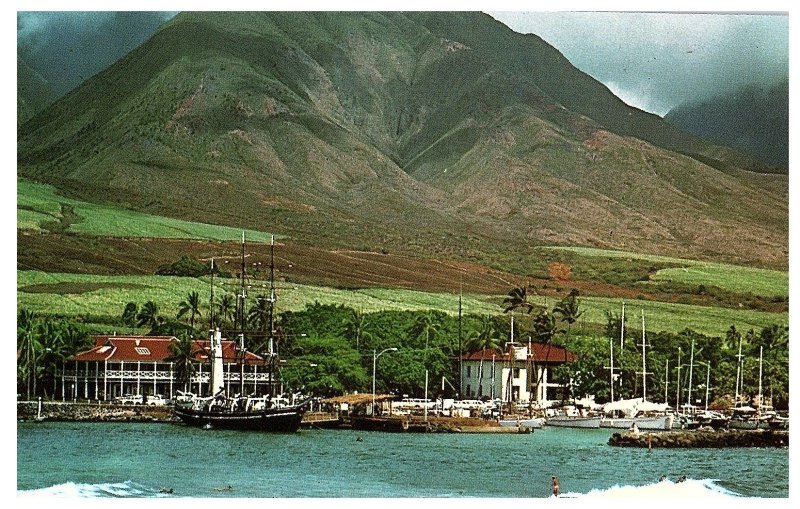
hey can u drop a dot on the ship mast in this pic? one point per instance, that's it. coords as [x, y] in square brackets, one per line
[644, 361]
[271, 344]
[240, 298]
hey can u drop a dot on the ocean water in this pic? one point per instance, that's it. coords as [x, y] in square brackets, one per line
[122, 460]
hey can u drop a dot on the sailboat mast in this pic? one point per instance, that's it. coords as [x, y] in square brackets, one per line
[621, 343]
[271, 339]
[691, 368]
[708, 382]
[760, 373]
[678, 383]
[666, 383]
[610, 367]
[644, 361]
[242, 296]
[271, 295]
[211, 315]
[738, 373]
[460, 351]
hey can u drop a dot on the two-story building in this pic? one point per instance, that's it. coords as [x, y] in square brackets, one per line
[518, 374]
[144, 365]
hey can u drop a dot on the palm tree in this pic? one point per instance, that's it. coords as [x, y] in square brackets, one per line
[357, 326]
[486, 339]
[29, 346]
[226, 308]
[518, 299]
[182, 354]
[129, 315]
[148, 316]
[259, 317]
[426, 325]
[192, 306]
[544, 327]
[568, 309]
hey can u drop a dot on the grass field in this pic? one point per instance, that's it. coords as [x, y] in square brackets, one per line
[732, 278]
[76, 295]
[38, 204]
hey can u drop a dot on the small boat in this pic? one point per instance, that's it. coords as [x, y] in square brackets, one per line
[571, 417]
[645, 415]
[527, 422]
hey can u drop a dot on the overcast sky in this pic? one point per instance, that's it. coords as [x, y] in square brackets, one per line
[656, 61]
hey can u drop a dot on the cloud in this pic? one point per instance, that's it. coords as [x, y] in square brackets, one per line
[657, 61]
[68, 47]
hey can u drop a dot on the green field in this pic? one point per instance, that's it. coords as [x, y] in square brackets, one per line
[732, 278]
[37, 204]
[75, 295]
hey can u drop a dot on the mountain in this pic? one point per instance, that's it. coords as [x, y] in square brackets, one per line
[754, 120]
[443, 134]
[33, 91]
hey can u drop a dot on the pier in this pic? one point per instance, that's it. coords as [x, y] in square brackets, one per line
[699, 438]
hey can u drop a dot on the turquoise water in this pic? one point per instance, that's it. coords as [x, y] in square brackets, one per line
[137, 459]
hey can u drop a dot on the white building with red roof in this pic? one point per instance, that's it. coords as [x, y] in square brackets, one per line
[518, 374]
[144, 365]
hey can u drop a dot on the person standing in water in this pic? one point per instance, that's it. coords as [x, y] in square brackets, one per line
[556, 486]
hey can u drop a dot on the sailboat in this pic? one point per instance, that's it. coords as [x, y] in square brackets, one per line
[256, 413]
[638, 413]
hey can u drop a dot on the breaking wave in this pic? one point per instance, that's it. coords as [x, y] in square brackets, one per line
[101, 490]
[689, 489]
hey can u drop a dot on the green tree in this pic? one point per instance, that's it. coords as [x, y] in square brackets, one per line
[191, 306]
[487, 338]
[129, 315]
[258, 316]
[29, 347]
[226, 308]
[182, 355]
[568, 310]
[149, 316]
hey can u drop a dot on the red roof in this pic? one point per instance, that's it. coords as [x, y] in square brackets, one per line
[153, 349]
[542, 352]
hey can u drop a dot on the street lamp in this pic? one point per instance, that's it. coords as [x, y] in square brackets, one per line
[374, 364]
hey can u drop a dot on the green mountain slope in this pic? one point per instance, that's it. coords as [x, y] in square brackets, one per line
[441, 133]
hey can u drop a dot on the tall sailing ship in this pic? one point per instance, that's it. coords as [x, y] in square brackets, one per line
[219, 410]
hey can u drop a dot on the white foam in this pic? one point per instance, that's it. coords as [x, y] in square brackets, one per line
[82, 490]
[689, 489]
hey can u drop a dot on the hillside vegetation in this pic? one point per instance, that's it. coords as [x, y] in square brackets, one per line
[444, 135]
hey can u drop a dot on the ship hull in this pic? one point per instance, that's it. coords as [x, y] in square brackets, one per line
[281, 420]
[574, 422]
[660, 423]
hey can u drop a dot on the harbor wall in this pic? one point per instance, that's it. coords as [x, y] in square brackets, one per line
[91, 412]
[694, 439]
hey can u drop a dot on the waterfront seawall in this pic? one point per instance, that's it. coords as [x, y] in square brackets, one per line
[91, 412]
[696, 439]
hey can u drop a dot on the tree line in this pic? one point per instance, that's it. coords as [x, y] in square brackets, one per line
[329, 349]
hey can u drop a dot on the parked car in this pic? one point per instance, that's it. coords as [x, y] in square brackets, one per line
[129, 399]
[156, 400]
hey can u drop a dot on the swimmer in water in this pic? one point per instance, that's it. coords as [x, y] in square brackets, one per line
[681, 478]
[556, 486]
[662, 478]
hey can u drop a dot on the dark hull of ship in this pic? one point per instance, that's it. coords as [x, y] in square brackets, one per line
[280, 420]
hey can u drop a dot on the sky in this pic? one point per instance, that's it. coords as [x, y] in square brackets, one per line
[654, 61]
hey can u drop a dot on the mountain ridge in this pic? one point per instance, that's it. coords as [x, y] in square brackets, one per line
[411, 141]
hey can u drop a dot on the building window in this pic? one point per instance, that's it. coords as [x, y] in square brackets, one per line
[516, 372]
[142, 350]
[469, 373]
[469, 390]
